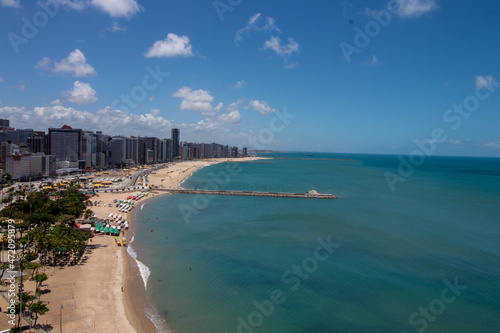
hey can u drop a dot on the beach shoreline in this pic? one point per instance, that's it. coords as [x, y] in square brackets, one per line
[181, 171]
[105, 292]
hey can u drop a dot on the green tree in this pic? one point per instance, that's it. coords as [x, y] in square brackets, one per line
[66, 219]
[34, 266]
[25, 300]
[3, 269]
[40, 279]
[38, 308]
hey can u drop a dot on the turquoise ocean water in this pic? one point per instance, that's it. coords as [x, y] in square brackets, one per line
[422, 258]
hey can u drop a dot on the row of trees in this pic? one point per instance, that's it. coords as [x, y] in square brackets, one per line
[45, 235]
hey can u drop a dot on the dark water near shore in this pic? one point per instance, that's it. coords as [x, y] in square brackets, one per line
[424, 257]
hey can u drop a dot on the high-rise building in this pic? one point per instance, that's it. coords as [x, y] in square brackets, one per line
[162, 148]
[141, 151]
[234, 151]
[132, 149]
[175, 141]
[23, 135]
[9, 135]
[48, 165]
[66, 143]
[4, 123]
[115, 152]
[89, 149]
[24, 166]
[38, 142]
[170, 150]
[152, 144]
[6, 150]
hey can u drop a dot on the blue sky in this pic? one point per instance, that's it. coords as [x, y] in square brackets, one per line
[331, 76]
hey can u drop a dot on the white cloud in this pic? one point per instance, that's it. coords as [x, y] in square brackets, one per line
[114, 8]
[56, 102]
[43, 64]
[414, 8]
[486, 82]
[197, 100]
[117, 122]
[75, 63]
[10, 3]
[493, 145]
[252, 25]
[118, 8]
[172, 46]
[233, 106]
[21, 86]
[372, 62]
[290, 65]
[233, 117]
[283, 50]
[458, 142]
[261, 106]
[78, 5]
[115, 27]
[1, 79]
[82, 93]
[155, 112]
[240, 84]
[108, 120]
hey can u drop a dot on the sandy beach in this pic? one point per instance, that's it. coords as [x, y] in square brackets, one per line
[103, 292]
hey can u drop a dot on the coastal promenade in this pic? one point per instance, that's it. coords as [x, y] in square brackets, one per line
[310, 195]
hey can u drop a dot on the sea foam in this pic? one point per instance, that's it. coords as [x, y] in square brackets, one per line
[151, 312]
[143, 269]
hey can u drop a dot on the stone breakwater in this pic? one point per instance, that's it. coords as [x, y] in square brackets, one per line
[309, 195]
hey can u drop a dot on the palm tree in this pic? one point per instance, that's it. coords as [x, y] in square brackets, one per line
[39, 308]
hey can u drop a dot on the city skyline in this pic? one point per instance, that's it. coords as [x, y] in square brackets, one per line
[356, 76]
[25, 153]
